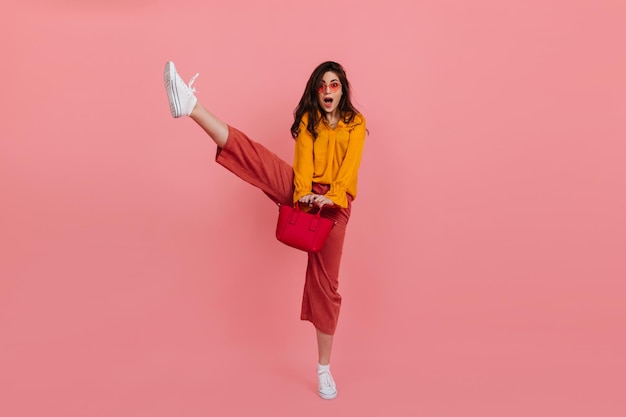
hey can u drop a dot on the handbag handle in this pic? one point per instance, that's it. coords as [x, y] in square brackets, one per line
[297, 207]
[319, 212]
[293, 217]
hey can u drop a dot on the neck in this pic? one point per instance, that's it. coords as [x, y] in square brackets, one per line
[333, 117]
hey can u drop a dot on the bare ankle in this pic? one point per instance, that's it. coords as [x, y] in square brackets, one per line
[195, 110]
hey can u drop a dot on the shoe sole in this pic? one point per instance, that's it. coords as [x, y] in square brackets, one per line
[328, 396]
[169, 77]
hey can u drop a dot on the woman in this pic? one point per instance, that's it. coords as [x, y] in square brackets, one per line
[329, 135]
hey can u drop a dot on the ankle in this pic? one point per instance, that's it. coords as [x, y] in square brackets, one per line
[323, 367]
[196, 110]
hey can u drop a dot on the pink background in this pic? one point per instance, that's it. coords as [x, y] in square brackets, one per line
[484, 266]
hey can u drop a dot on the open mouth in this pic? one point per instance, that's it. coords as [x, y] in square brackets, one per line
[328, 101]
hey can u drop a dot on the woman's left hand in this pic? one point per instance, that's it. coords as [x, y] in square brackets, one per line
[322, 200]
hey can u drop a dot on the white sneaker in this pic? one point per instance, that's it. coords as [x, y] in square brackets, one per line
[326, 387]
[179, 94]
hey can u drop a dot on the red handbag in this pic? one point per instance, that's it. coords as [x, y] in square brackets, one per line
[302, 230]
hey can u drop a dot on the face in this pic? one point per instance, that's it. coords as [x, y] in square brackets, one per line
[329, 92]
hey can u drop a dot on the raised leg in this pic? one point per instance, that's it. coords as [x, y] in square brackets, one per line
[211, 124]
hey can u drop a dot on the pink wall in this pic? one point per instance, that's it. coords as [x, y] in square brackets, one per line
[484, 267]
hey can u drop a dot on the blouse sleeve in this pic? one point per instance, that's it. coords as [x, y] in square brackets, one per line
[349, 167]
[303, 163]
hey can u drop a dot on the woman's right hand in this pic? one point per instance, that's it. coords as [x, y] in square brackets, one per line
[316, 200]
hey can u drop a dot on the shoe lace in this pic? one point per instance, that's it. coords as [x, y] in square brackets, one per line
[326, 381]
[190, 85]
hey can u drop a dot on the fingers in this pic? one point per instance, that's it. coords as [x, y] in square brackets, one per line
[322, 201]
[316, 199]
[308, 199]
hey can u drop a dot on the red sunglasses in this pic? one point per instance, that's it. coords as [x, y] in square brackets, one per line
[333, 86]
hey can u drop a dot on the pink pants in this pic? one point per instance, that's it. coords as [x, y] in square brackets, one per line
[261, 168]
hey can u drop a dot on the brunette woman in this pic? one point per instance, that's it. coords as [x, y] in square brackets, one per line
[329, 136]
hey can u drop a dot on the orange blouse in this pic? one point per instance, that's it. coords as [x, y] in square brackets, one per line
[333, 158]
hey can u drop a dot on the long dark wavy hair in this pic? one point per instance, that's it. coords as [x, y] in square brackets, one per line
[309, 103]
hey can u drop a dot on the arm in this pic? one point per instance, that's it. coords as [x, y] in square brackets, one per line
[303, 164]
[349, 166]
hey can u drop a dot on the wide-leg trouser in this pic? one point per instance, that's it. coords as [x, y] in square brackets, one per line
[258, 166]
